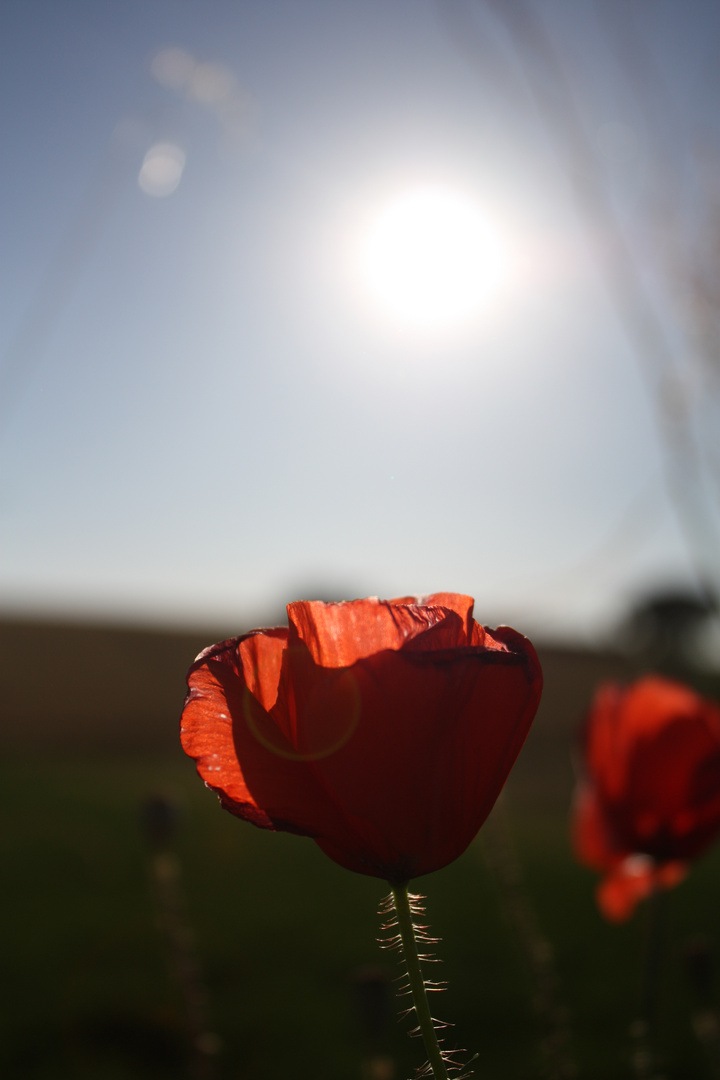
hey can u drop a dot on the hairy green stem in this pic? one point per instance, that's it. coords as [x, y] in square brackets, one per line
[406, 927]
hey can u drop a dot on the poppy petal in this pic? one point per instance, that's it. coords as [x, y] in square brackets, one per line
[650, 797]
[384, 731]
[338, 635]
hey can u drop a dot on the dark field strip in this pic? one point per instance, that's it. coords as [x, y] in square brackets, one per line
[285, 941]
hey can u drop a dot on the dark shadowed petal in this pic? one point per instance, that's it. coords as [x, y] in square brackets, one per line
[661, 803]
[438, 736]
[447, 633]
[701, 815]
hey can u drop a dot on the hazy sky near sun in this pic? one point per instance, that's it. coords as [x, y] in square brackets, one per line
[204, 409]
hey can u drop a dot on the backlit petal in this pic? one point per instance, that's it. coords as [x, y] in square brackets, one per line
[339, 634]
[383, 730]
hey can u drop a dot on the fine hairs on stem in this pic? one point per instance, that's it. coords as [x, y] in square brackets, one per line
[403, 929]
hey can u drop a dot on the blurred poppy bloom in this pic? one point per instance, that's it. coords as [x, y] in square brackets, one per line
[384, 730]
[650, 798]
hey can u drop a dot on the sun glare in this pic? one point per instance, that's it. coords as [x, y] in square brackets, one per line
[431, 260]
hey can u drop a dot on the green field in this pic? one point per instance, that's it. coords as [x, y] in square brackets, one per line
[285, 940]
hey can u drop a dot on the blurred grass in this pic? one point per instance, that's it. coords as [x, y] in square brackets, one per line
[280, 934]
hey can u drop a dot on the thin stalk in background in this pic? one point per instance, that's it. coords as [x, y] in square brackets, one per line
[502, 861]
[159, 819]
[699, 960]
[644, 1031]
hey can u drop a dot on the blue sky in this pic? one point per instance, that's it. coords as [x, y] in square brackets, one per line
[204, 414]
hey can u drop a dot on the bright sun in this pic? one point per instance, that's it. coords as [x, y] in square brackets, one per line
[431, 260]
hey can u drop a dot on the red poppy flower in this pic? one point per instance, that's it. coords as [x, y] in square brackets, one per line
[384, 730]
[650, 799]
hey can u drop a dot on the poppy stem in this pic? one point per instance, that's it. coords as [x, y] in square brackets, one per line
[653, 960]
[416, 980]
[653, 957]
[644, 1030]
